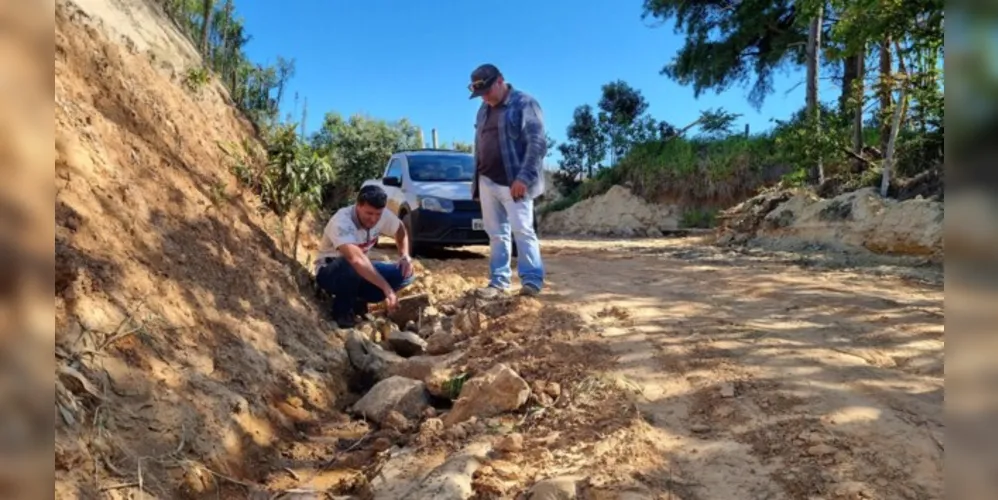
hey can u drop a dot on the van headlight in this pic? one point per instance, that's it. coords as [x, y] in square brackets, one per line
[434, 204]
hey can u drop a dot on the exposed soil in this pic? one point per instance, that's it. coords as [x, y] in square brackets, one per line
[193, 359]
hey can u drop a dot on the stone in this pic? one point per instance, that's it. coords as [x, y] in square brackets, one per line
[820, 450]
[496, 391]
[700, 428]
[409, 308]
[553, 389]
[431, 426]
[403, 395]
[441, 342]
[510, 443]
[396, 421]
[505, 469]
[727, 390]
[368, 357]
[558, 488]
[406, 344]
[452, 479]
[435, 371]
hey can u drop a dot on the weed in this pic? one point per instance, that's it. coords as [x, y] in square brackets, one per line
[196, 79]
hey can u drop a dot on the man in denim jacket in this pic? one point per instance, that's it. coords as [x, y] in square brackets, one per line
[510, 146]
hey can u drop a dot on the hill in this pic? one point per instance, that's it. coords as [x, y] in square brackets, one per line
[179, 318]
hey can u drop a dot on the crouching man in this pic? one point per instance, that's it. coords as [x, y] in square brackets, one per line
[342, 266]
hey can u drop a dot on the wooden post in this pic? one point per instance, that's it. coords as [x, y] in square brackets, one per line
[434, 132]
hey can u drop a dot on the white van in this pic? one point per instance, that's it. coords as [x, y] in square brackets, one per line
[430, 190]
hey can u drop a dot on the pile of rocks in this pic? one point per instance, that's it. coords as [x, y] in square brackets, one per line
[410, 367]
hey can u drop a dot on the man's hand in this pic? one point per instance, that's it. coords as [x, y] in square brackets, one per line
[391, 301]
[405, 265]
[518, 190]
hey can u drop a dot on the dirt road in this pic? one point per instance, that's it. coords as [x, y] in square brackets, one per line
[765, 375]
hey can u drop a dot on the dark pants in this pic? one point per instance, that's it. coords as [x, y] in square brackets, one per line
[339, 279]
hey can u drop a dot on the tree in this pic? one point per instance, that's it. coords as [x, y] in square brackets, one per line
[586, 146]
[462, 146]
[730, 43]
[813, 60]
[359, 148]
[620, 108]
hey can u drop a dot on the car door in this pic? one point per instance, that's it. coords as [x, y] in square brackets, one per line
[396, 195]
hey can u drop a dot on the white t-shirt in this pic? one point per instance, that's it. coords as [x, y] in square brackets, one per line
[343, 227]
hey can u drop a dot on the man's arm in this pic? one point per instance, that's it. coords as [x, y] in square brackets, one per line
[360, 263]
[402, 241]
[533, 130]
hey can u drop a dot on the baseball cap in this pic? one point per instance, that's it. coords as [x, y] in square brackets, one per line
[482, 78]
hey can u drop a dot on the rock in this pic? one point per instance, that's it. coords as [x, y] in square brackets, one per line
[430, 412]
[435, 371]
[510, 443]
[700, 428]
[396, 421]
[406, 344]
[496, 391]
[431, 426]
[820, 450]
[441, 342]
[367, 357]
[430, 312]
[403, 395]
[506, 470]
[559, 488]
[452, 479]
[409, 309]
[851, 490]
[553, 389]
[727, 390]
[412, 327]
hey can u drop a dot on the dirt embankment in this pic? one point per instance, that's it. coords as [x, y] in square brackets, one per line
[860, 220]
[181, 333]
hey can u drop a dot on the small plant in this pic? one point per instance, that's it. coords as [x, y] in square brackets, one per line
[699, 218]
[196, 79]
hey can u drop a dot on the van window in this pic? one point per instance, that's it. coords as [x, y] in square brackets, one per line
[394, 169]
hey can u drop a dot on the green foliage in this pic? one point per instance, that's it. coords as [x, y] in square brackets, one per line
[461, 146]
[699, 218]
[562, 203]
[196, 79]
[729, 43]
[620, 109]
[359, 149]
[221, 35]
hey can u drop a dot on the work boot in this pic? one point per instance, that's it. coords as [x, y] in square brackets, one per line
[346, 320]
[530, 290]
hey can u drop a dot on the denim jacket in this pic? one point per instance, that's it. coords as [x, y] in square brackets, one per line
[522, 141]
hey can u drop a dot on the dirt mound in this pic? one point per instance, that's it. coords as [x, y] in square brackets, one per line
[618, 212]
[185, 349]
[859, 220]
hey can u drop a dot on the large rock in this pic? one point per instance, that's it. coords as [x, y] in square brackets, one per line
[557, 488]
[452, 480]
[403, 395]
[435, 371]
[496, 391]
[406, 344]
[369, 358]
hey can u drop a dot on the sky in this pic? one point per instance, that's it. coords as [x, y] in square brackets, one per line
[392, 59]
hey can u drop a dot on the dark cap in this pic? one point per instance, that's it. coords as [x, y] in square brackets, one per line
[482, 78]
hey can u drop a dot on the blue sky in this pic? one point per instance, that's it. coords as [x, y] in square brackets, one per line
[393, 58]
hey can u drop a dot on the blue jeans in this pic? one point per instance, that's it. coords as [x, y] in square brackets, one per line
[339, 279]
[500, 214]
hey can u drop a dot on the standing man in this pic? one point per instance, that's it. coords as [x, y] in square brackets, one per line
[510, 146]
[342, 266]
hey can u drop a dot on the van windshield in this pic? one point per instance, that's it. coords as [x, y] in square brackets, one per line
[442, 168]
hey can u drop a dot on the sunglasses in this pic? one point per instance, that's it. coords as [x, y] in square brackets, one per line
[480, 84]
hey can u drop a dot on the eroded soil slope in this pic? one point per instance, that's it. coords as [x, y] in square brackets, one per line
[179, 323]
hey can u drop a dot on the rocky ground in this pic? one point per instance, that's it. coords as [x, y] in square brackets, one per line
[193, 359]
[650, 369]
